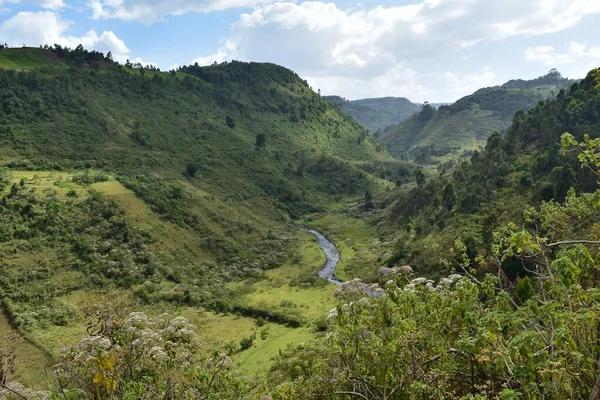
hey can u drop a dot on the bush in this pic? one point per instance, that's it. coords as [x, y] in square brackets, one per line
[264, 334]
[246, 343]
[230, 122]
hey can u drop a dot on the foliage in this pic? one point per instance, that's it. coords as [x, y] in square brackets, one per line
[247, 342]
[515, 170]
[469, 338]
[141, 357]
[97, 244]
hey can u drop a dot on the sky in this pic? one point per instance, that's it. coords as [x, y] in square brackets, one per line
[425, 50]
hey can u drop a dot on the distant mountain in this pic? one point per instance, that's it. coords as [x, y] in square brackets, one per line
[432, 136]
[378, 113]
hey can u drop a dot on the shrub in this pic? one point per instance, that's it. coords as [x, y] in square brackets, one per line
[246, 343]
[230, 122]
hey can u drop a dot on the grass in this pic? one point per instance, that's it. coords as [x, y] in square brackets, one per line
[29, 58]
[276, 293]
[354, 239]
[217, 331]
[31, 361]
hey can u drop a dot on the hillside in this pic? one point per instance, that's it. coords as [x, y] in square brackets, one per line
[201, 120]
[433, 136]
[378, 113]
[501, 296]
[520, 168]
[167, 191]
[152, 241]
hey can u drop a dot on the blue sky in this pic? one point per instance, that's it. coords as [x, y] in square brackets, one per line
[434, 50]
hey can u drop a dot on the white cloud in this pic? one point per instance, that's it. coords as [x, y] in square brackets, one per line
[218, 57]
[446, 86]
[355, 50]
[47, 4]
[46, 27]
[549, 56]
[149, 11]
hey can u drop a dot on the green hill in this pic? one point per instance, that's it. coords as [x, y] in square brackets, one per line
[206, 120]
[378, 113]
[437, 135]
[166, 189]
[520, 168]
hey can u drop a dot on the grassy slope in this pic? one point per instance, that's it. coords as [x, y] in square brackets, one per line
[215, 331]
[465, 125]
[29, 58]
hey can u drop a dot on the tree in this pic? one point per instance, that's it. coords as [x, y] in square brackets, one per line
[449, 197]
[191, 170]
[261, 141]
[420, 177]
[427, 112]
[229, 122]
[368, 201]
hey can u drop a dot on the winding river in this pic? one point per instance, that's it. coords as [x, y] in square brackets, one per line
[332, 256]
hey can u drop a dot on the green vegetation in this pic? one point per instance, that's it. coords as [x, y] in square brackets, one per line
[29, 58]
[515, 171]
[521, 318]
[149, 246]
[377, 114]
[436, 136]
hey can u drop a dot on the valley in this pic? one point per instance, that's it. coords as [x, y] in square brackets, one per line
[277, 293]
[226, 232]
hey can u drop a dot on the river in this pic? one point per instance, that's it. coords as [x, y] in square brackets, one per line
[332, 256]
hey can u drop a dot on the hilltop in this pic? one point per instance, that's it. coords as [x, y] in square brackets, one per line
[433, 136]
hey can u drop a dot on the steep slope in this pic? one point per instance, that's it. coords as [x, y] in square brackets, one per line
[378, 113]
[520, 168]
[206, 122]
[434, 135]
